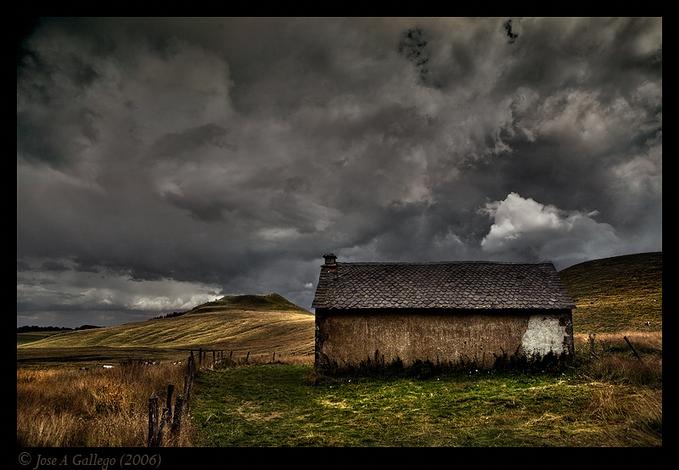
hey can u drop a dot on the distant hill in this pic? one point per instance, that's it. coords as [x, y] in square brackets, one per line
[257, 323]
[616, 294]
[269, 302]
[27, 334]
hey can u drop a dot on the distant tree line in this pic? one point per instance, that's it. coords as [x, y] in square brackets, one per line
[168, 315]
[26, 329]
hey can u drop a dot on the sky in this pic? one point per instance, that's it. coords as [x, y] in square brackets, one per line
[162, 163]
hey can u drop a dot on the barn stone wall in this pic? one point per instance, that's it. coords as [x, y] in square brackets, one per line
[347, 340]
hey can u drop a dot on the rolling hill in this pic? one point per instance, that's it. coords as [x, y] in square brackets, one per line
[621, 293]
[269, 302]
[256, 323]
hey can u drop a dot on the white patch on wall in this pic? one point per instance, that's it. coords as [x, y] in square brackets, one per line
[544, 334]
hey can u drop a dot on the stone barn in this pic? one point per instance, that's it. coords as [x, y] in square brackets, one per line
[450, 314]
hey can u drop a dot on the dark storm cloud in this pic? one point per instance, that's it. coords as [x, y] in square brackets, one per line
[163, 161]
[50, 265]
[179, 144]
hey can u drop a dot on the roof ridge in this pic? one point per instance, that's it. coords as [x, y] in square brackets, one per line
[427, 263]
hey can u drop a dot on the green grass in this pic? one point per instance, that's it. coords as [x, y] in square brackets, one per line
[616, 294]
[276, 405]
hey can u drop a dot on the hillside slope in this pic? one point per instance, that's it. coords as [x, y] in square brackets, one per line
[617, 294]
[261, 324]
[269, 302]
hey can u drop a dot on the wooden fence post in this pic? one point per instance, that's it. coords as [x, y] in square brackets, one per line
[273, 358]
[247, 358]
[153, 419]
[168, 403]
[200, 358]
[213, 358]
[230, 356]
[632, 347]
[189, 365]
[158, 440]
[177, 420]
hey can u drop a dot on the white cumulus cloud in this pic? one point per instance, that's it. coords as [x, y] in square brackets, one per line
[526, 229]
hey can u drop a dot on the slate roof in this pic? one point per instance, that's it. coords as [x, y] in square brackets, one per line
[446, 285]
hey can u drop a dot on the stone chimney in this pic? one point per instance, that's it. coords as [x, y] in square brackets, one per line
[330, 261]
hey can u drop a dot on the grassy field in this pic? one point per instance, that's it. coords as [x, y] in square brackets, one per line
[611, 401]
[617, 294]
[261, 324]
[93, 356]
[286, 332]
[64, 407]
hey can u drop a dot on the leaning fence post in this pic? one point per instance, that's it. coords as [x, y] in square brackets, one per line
[632, 347]
[153, 419]
[168, 403]
[247, 358]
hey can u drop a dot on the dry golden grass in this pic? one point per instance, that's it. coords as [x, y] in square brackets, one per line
[643, 341]
[629, 370]
[241, 359]
[635, 413]
[60, 407]
[615, 362]
[286, 332]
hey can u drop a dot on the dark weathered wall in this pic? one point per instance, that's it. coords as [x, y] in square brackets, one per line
[345, 339]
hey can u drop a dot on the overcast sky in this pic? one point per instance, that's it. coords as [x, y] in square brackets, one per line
[162, 163]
